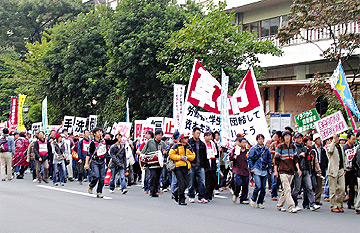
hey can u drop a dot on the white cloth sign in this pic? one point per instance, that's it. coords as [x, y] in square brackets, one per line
[35, 127]
[178, 103]
[114, 128]
[141, 127]
[330, 125]
[92, 122]
[68, 123]
[80, 125]
[158, 122]
[349, 156]
[169, 126]
[124, 129]
[225, 132]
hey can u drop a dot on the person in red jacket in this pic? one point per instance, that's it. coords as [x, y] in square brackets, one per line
[42, 150]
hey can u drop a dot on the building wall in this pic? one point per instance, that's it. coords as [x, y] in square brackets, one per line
[270, 12]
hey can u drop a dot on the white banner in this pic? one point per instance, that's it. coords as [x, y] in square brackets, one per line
[225, 130]
[80, 125]
[113, 129]
[124, 129]
[35, 127]
[330, 125]
[169, 126]
[178, 103]
[68, 123]
[141, 126]
[92, 122]
[158, 122]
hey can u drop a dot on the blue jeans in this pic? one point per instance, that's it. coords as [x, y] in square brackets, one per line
[197, 173]
[56, 166]
[98, 175]
[260, 184]
[275, 182]
[241, 183]
[121, 179]
[174, 183]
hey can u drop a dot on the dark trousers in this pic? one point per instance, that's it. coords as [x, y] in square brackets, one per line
[350, 181]
[241, 183]
[98, 175]
[33, 168]
[182, 176]
[154, 179]
[210, 183]
[80, 170]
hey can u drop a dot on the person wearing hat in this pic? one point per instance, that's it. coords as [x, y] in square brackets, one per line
[343, 139]
[58, 149]
[320, 157]
[182, 154]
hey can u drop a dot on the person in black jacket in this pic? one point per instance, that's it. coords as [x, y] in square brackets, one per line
[323, 160]
[118, 164]
[198, 167]
[356, 165]
[43, 151]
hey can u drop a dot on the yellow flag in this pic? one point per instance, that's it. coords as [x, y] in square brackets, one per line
[21, 126]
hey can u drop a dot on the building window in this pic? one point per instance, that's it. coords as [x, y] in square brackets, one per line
[277, 99]
[267, 27]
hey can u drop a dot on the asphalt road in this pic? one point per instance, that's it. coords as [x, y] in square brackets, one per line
[30, 207]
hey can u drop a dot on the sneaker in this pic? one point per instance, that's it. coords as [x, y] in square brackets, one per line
[191, 200]
[326, 199]
[124, 191]
[260, 206]
[56, 184]
[297, 208]
[111, 191]
[85, 180]
[314, 207]
[99, 195]
[90, 190]
[252, 203]
[293, 211]
[164, 190]
[216, 192]
[35, 180]
[306, 207]
[154, 195]
[146, 192]
[357, 211]
[274, 198]
[244, 202]
[204, 201]
[280, 208]
[234, 198]
[62, 184]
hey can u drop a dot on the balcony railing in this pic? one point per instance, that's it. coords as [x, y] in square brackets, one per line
[316, 34]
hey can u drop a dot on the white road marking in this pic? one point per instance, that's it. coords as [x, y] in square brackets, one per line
[70, 191]
[218, 196]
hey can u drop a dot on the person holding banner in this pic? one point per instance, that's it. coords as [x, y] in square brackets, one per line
[336, 173]
[83, 148]
[42, 150]
[182, 154]
[259, 161]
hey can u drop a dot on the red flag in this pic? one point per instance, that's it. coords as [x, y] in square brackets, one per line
[13, 111]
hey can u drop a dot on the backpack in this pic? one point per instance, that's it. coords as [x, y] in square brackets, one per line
[4, 145]
[170, 164]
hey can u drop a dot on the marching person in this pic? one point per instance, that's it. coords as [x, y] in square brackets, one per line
[7, 150]
[240, 169]
[182, 154]
[275, 182]
[19, 160]
[96, 159]
[198, 166]
[285, 164]
[31, 160]
[118, 164]
[210, 172]
[259, 161]
[336, 173]
[154, 145]
[356, 164]
[350, 176]
[58, 150]
[144, 171]
[83, 148]
[174, 184]
[69, 145]
[42, 150]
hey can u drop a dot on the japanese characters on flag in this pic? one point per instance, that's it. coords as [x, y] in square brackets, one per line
[13, 111]
[80, 125]
[178, 104]
[157, 121]
[205, 121]
[114, 128]
[68, 123]
[349, 156]
[35, 127]
[141, 127]
[124, 129]
[169, 126]
[330, 125]
[225, 131]
[21, 126]
[92, 122]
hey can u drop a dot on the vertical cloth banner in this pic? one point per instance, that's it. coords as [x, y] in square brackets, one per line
[127, 111]
[21, 126]
[92, 122]
[225, 131]
[178, 104]
[169, 127]
[44, 113]
[13, 111]
[342, 91]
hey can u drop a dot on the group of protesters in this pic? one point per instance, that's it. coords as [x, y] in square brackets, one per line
[301, 166]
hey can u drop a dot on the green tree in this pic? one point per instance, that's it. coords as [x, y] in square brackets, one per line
[134, 36]
[215, 41]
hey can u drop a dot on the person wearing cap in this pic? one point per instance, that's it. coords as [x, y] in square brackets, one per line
[182, 154]
[336, 173]
[286, 162]
[58, 149]
[320, 156]
[343, 139]
[305, 164]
